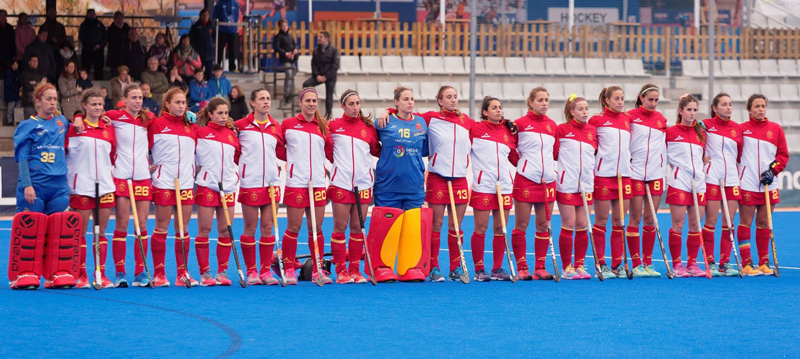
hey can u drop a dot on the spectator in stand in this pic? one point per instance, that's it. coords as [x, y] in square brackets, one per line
[176, 80]
[219, 84]
[117, 34]
[23, 36]
[12, 84]
[324, 66]
[202, 39]
[199, 92]
[83, 79]
[149, 102]
[93, 38]
[227, 11]
[69, 89]
[56, 34]
[31, 76]
[42, 50]
[134, 55]
[238, 106]
[161, 50]
[106, 101]
[118, 84]
[186, 59]
[286, 47]
[66, 53]
[156, 79]
[7, 43]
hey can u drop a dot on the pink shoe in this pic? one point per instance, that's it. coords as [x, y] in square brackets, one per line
[291, 276]
[680, 271]
[267, 278]
[253, 278]
[206, 280]
[325, 277]
[695, 271]
[343, 277]
[582, 273]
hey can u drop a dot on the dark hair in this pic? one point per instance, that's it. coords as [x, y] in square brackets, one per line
[67, 75]
[647, 88]
[367, 119]
[487, 101]
[322, 123]
[532, 95]
[216, 67]
[441, 92]
[118, 13]
[715, 102]
[685, 100]
[605, 95]
[42, 30]
[281, 22]
[238, 90]
[204, 11]
[754, 97]
[32, 56]
[326, 34]
[204, 116]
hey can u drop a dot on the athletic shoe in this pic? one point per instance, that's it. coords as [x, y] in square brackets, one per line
[455, 274]
[764, 268]
[120, 281]
[181, 281]
[222, 279]
[620, 272]
[714, 269]
[541, 274]
[413, 275]
[500, 274]
[582, 273]
[482, 276]
[27, 281]
[640, 272]
[326, 279]
[524, 274]
[141, 280]
[728, 270]
[569, 273]
[607, 272]
[82, 283]
[680, 271]
[207, 280]
[384, 275]
[652, 271]
[357, 277]
[253, 278]
[267, 278]
[291, 276]
[436, 275]
[750, 270]
[695, 271]
[106, 283]
[344, 277]
[160, 280]
[61, 281]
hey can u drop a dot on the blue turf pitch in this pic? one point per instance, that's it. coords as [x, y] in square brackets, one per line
[723, 317]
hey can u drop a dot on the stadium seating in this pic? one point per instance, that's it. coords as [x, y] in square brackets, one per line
[790, 117]
[414, 86]
[490, 89]
[751, 69]
[427, 90]
[693, 68]
[516, 65]
[512, 112]
[495, 65]
[349, 65]
[555, 66]
[513, 91]
[789, 92]
[480, 66]
[748, 89]
[788, 67]
[465, 90]
[368, 90]
[590, 90]
[772, 91]
[386, 90]
[453, 65]
[304, 64]
[768, 67]
[730, 68]
[575, 66]
[413, 65]
[596, 67]
[435, 65]
[342, 86]
[371, 65]
[393, 65]
[615, 67]
[635, 67]
[536, 66]
[556, 91]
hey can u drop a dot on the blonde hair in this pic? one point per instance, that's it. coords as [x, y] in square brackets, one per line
[168, 97]
[532, 95]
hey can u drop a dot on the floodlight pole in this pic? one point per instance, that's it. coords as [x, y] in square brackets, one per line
[712, 28]
[473, 44]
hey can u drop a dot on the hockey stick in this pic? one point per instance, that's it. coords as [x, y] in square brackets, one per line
[242, 280]
[557, 276]
[465, 275]
[368, 262]
[186, 278]
[777, 271]
[670, 275]
[313, 221]
[597, 269]
[139, 233]
[628, 272]
[730, 225]
[97, 284]
[697, 217]
[511, 263]
[278, 252]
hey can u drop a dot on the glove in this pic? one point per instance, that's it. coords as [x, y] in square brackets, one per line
[511, 126]
[703, 126]
[769, 175]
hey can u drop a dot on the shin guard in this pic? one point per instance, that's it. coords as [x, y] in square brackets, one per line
[384, 236]
[62, 249]
[28, 231]
[413, 254]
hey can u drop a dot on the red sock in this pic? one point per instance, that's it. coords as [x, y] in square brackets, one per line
[223, 253]
[289, 248]
[708, 242]
[498, 251]
[617, 248]
[452, 249]
[137, 255]
[633, 245]
[179, 253]
[82, 257]
[355, 248]
[518, 243]
[265, 247]
[565, 247]
[103, 253]
[201, 250]
[693, 241]
[316, 256]
[248, 252]
[118, 249]
[648, 242]
[159, 249]
[762, 245]
[599, 238]
[675, 244]
[743, 235]
[339, 250]
[581, 245]
[541, 243]
[478, 245]
[436, 241]
[725, 246]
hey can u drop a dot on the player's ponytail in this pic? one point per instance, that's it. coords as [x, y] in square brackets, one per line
[142, 112]
[322, 123]
[367, 119]
[606, 94]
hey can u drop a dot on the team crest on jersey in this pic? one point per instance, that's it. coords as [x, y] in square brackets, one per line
[419, 126]
[658, 124]
[439, 195]
[505, 138]
[84, 200]
[339, 194]
[363, 133]
[105, 134]
[605, 191]
[230, 138]
[186, 128]
[254, 196]
[713, 191]
[627, 125]
[121, 187]
[682, 196]
[299, 199]
[769, 134]
[59, 123]
[273, 129]
[209, 197]
[550, 130]
[526, 193]
[485, 201]
[589, 136]
[167, 194]
[638, 186]
[568, 196]
[733, 133]
[747, 197]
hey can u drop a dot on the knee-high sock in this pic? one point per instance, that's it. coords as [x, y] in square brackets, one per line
[320, 248]
[478, 245]
[289, 249]
[725, 246]
[762, 245]
[223, 253]
[540, 245]
[648, 242]
[248, 252]
[617, 249]
[743, 236]
[82, 256]
[581, 245]
[498, 251]
[452, 249]
[518, 243]
[599, 238]
[339, 250]
[265, 247]
[137, 255]
[179, 259]
[708, 242]
[436, 241]
[565, 247]
[201, 250]
[118, 250]
[103, 253]
[159, 249]
[675, 244]
[356, 247]
[633, 245]
[693, 242]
